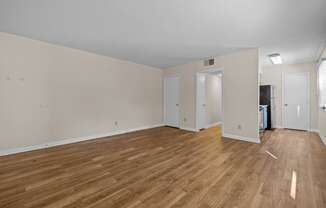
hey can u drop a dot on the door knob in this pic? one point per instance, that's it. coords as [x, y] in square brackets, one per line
[285, 105]
[177, 104]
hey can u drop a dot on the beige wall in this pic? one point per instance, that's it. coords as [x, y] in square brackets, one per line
[213, 99]
[322, 114]
[272, 75]
[240, 92]
[49, 93]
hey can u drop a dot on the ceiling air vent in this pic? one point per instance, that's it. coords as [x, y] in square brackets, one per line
[209, 62]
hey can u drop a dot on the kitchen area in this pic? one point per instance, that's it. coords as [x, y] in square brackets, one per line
[266, 107]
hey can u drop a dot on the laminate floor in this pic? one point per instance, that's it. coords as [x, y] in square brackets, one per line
[167, 167]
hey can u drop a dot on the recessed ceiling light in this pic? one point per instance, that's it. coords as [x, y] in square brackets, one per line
[276, 58]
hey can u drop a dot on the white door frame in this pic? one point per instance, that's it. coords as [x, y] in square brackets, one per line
[198, 102]
[219, 70]
[164, 98]
[308, 92]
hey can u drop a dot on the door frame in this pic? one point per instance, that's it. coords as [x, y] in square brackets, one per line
[164, 98]
[308, 101]
[217, 70]
[197, 101]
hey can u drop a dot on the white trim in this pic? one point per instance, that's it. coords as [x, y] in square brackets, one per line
[189, 129]
[214, 124]
[282, 101]
[72, 140]
[198, 74]
[319, 55]
[315, 131]
[210, 70]
[309, 100]
[242, 138]
[278, 127]
[323, 138]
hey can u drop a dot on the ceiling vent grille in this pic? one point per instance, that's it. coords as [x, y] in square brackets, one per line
[209, 62]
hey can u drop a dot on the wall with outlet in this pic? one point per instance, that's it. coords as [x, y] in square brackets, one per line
[49, 93]
[240, 92]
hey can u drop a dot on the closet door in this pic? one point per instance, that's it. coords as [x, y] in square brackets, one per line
[171, 101]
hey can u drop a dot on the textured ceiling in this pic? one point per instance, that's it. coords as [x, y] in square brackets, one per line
[171, 32]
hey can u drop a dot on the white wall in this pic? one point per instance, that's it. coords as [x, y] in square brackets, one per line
[49, 93]
[213, 99]
[272, 75]
[240, 92]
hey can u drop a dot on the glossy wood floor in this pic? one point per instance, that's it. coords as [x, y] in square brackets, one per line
[167, 167]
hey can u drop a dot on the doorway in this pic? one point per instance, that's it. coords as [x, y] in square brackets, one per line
[209, 96]
[171, 101]
[296, 100]
[201, 101]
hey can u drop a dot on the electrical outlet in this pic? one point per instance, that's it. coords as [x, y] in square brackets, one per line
[239, 127]
[116, 123]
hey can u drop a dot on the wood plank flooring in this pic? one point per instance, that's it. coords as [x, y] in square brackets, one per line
[167, 167]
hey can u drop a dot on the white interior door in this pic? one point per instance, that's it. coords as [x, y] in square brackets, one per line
[171, 101]
[296, 100]
[200, 102]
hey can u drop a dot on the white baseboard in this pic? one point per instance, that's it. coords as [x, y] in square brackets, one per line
[213, 124]
[277, 127]
[196, 130]
[242, 138]
[72, 140]
[315, 131]
[322, 137]
[189, 129]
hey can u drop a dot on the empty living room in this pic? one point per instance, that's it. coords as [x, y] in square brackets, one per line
[162, 104]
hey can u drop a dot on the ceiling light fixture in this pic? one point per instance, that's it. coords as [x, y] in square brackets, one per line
[276, 58]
